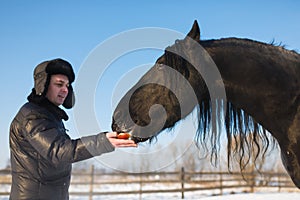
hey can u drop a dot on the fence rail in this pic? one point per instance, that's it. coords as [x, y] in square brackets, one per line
[93, 183]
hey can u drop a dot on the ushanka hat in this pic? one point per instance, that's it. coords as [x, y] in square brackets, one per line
[42, 74]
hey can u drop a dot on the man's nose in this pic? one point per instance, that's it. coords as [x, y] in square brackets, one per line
[65, 89]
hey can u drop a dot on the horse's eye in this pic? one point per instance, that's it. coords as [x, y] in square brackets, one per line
[160, 66]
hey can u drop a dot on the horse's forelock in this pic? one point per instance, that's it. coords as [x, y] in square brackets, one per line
[176, 62]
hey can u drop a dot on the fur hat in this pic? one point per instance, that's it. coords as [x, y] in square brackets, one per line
[42, 74]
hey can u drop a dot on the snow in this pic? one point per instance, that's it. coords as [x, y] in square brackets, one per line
[257, 196]
[246, 196]
[250, 196]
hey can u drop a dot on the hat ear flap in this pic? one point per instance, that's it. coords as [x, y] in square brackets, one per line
[40, 78]
[70, 99]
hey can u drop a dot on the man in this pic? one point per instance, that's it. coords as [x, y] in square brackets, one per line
[42, 152]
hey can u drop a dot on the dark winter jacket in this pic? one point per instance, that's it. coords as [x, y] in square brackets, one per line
[42, 153]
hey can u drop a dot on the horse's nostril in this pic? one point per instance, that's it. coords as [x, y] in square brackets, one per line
[117, 115]
[288, 168]
[114, 127]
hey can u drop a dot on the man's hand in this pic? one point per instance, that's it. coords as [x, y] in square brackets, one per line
[113, 138]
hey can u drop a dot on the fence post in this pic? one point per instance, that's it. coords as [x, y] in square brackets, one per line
[221, 184]
[91, 182]
[141, 187]
[252, 181]
[182, 182]
[279, 182]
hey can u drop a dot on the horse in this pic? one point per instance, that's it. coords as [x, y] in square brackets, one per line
[261, 96]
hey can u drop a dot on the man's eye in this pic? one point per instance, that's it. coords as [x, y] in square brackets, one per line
[59, 84]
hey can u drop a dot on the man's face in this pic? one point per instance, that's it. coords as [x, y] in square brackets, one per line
[58, 89]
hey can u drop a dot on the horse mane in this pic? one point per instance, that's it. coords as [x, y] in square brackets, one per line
[247, 140]
[248, 43]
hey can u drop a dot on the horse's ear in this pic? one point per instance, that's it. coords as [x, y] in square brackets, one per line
[195, 31]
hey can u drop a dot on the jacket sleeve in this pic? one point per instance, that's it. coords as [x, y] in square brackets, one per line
[53, 144]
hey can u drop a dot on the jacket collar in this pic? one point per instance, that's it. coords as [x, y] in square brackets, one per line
[44, 102]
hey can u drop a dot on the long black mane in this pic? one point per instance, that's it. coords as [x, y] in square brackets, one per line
[246, 138]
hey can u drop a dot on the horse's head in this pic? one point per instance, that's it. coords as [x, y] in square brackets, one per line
[163, 96]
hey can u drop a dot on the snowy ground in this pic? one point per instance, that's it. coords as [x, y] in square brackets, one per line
[257, 196]
[248, 196]
[195, 195]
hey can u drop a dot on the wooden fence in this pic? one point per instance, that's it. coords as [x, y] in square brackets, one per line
[92, 183]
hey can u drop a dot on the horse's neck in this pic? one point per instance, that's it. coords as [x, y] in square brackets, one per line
[257, 85]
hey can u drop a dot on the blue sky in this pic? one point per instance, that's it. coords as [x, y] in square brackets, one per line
[34, 31]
